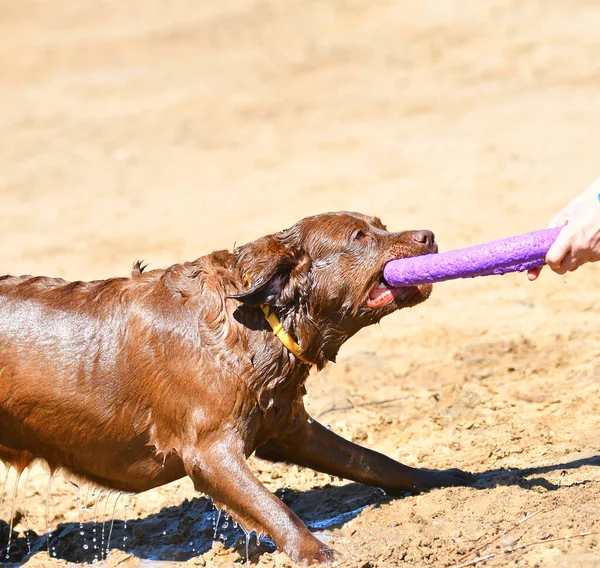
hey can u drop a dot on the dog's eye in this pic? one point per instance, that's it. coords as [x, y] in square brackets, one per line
[359, 236]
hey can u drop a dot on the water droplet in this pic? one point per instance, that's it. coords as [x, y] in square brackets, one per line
[48, 493]
[12, 513]
[164, 533]
[26, 513]
[191, 543]
[216, 524]
[112, 522]
[85, 546]
[310, 420]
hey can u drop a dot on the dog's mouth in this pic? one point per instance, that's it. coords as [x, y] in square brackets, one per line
[382, 294]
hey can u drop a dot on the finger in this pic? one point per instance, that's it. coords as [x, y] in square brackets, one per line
[568, 264]
[559, 250]
[534, 274]
[578, 258]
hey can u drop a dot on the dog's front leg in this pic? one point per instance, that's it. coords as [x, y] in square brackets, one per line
[310, 444]
[219, 469]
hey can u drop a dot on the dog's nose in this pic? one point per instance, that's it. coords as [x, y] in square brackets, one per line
[424, 237]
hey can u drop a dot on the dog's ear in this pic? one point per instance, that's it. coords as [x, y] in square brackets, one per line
[266, 265]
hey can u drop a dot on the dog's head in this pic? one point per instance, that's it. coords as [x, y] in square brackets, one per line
[324, 277]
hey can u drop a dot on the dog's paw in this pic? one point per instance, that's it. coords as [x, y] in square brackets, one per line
[327, 556]
[315, 552]
[429, 479]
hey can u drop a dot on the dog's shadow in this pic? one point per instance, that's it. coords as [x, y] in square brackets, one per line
[185, 531]
[531, 476]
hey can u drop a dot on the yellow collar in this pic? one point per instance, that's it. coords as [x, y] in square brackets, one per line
[283, 335]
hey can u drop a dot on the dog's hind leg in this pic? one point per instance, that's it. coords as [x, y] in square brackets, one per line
[308, 443]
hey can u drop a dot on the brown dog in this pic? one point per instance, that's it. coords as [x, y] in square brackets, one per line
[134, 382]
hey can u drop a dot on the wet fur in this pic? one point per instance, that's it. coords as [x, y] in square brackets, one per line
[134, 382]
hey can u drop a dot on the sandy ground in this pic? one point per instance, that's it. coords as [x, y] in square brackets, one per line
[164, 130]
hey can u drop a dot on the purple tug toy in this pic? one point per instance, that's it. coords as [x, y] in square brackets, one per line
[514, 254]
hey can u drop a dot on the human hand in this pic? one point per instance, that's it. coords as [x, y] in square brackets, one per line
[579, 241]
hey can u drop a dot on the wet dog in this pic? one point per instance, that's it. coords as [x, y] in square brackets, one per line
[132, 383]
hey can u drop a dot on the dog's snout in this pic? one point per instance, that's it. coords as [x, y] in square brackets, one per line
[424, 237]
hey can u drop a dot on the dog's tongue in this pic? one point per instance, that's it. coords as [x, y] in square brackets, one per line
[379, 297]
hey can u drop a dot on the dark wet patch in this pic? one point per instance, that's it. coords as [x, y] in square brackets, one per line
[189, 530]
